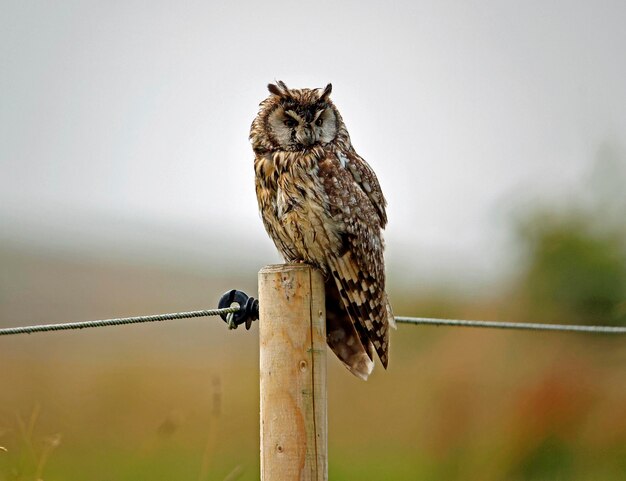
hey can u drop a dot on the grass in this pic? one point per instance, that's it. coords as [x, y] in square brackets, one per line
[454, 405]
[179, 401]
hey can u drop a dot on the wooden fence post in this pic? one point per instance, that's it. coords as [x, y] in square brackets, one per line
[292, 335]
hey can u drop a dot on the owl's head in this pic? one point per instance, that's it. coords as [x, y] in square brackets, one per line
[295, 119]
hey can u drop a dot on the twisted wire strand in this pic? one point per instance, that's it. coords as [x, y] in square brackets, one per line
[229, 310]
[511, 325]
[116, 322]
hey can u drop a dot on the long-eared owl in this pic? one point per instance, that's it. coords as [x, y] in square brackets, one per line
[321, 204]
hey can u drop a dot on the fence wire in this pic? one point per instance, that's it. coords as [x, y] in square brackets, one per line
[228, 310]
[115, 322]
[530, 326]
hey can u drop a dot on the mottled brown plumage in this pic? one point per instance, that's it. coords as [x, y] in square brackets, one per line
[321, 204]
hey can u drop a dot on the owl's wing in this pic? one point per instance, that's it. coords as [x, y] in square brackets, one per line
[357, 264]
[366, 179]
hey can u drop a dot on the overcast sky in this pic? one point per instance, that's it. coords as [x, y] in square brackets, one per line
[129, 120]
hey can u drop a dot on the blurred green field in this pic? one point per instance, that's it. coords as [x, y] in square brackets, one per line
[179, 400]
[454, 405]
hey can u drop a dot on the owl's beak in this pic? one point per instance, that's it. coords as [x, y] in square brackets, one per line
[306, 137]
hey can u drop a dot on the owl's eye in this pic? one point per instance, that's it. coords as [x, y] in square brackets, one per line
[319, 122]
[291, 123]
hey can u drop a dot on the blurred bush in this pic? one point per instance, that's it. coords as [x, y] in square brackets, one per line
[576, 255]
[573, 271]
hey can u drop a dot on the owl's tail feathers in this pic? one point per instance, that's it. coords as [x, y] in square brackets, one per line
[343, 338]
[366, 303]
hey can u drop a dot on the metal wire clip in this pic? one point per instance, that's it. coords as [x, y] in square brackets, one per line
[248, 308]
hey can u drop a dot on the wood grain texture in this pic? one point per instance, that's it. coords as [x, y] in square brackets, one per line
[292, 335]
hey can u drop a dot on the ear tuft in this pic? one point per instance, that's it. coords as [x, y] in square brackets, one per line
[273, 89]
[280, 89]
[327, 90]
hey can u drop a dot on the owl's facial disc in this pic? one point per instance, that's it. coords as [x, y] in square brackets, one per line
[300, 127]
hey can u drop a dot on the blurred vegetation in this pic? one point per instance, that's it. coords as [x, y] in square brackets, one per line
[575, 255]
[575, 273]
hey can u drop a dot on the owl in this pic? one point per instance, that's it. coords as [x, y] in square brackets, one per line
[321, 204]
